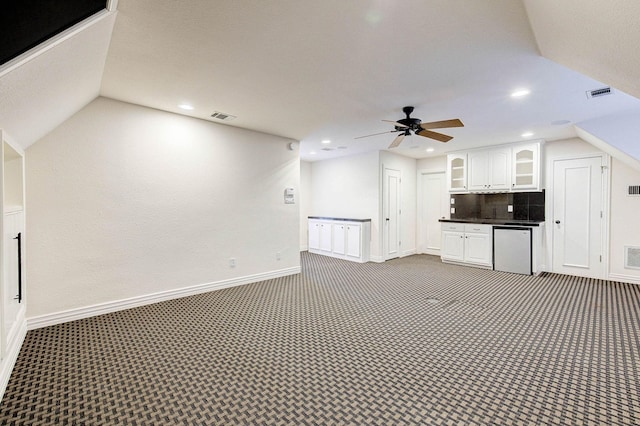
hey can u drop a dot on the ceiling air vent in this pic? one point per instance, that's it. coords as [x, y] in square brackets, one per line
[634, 190]
[599, 92]
[327, 149]
[222, 116]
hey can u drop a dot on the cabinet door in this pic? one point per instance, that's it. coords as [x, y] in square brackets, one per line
[314, 235]
[339, 237]
[354, 241]
[452, 245]
[479, 171]
[325, 236]
[457, 172]
[477, 249]
[526, 167]
[499, 169]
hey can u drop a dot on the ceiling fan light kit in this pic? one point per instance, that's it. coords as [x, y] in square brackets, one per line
[408, 124]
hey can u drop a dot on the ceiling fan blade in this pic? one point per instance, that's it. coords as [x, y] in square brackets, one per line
[442, 124]
[376, 134]
[434, 135]
[397, 141]
[395, 123]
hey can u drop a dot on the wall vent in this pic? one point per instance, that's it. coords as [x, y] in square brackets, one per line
[222, 116]
[599, 92]
[634, 190]
[631, 257]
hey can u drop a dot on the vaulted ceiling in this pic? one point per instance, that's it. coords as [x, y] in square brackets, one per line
[333, 70]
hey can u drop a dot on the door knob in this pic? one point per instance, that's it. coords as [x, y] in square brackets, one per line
[557, 222]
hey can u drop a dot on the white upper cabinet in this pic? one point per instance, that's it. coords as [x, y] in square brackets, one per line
[457, 172]
[525, 163]
[514, 167]
[489, 170]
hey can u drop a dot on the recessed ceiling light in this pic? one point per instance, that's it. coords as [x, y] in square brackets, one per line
[185, 107]
[527, 134]
[430, 149]
[326, 141]
[520, 93]
[312, 153]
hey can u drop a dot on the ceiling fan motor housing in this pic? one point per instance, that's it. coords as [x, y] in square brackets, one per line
[411, 123]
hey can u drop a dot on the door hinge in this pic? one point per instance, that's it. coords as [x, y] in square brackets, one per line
[601, 215]
[600, 258]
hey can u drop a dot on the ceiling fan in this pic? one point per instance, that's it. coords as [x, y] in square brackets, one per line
[406, 125]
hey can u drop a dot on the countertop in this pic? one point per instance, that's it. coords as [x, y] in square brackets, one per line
[338, 218]
[509, 222]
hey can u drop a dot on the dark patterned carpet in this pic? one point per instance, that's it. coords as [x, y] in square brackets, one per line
[407, 342]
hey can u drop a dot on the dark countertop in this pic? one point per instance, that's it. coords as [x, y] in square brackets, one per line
[510, 222]
[339, 219]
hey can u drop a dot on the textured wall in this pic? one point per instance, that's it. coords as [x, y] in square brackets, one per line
[127, 201]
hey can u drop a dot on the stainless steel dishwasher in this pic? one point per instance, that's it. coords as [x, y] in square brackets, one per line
[512, 249]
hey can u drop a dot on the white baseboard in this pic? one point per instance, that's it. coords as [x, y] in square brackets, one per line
[119, 305]
[11, 355]
[376, 259]
[304, 248]
[408, 253]
[631, 279]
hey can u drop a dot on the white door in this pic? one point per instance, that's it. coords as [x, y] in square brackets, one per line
[391, 212]
[452, 245]
[434, 205]
[325, 236]
[353, 240]
[339, 237]
[577, 218]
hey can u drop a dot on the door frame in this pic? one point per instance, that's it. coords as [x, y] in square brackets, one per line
[420, 225]
[385, 233]
[605, 164]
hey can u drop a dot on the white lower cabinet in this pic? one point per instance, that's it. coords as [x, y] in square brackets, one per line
[320, 236]
[470, 244]
[341, 238]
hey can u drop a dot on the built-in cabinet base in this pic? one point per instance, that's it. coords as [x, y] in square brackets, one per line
[348, 239]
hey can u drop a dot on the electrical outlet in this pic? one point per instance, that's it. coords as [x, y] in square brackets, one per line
[509, 208]
[232, 262]
[453, 210]
[453, 201]
[278, 255]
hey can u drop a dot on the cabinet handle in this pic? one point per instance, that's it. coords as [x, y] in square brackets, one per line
[19, 238]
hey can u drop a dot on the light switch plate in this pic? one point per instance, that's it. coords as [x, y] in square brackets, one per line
[453, 210]
[453, 201]
[510, 208]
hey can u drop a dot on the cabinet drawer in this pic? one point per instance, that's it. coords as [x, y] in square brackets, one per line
[477, 228]
[448, 226]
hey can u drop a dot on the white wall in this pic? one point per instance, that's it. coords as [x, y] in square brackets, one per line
[125, 201]
[348, 187]
[408, 198]
[624, 221]
[305, 203]
[432, 164]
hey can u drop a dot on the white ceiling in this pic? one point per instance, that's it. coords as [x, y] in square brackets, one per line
[332, 69]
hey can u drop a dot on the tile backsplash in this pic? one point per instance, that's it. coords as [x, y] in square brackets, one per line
[525, 206]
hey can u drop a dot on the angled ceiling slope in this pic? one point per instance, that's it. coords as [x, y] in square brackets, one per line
[45, 86]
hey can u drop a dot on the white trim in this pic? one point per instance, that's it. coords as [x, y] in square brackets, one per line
[376, 259]
[605, 161]
[408, 253]
[431, 252]
[119, 305]
[53, 42]
[10, 357]
[624, 278]
[304, 248]
[112, 5]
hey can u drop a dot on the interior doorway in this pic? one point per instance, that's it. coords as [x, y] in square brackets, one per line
[578, 216]
[391, 213]
[433, 205]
